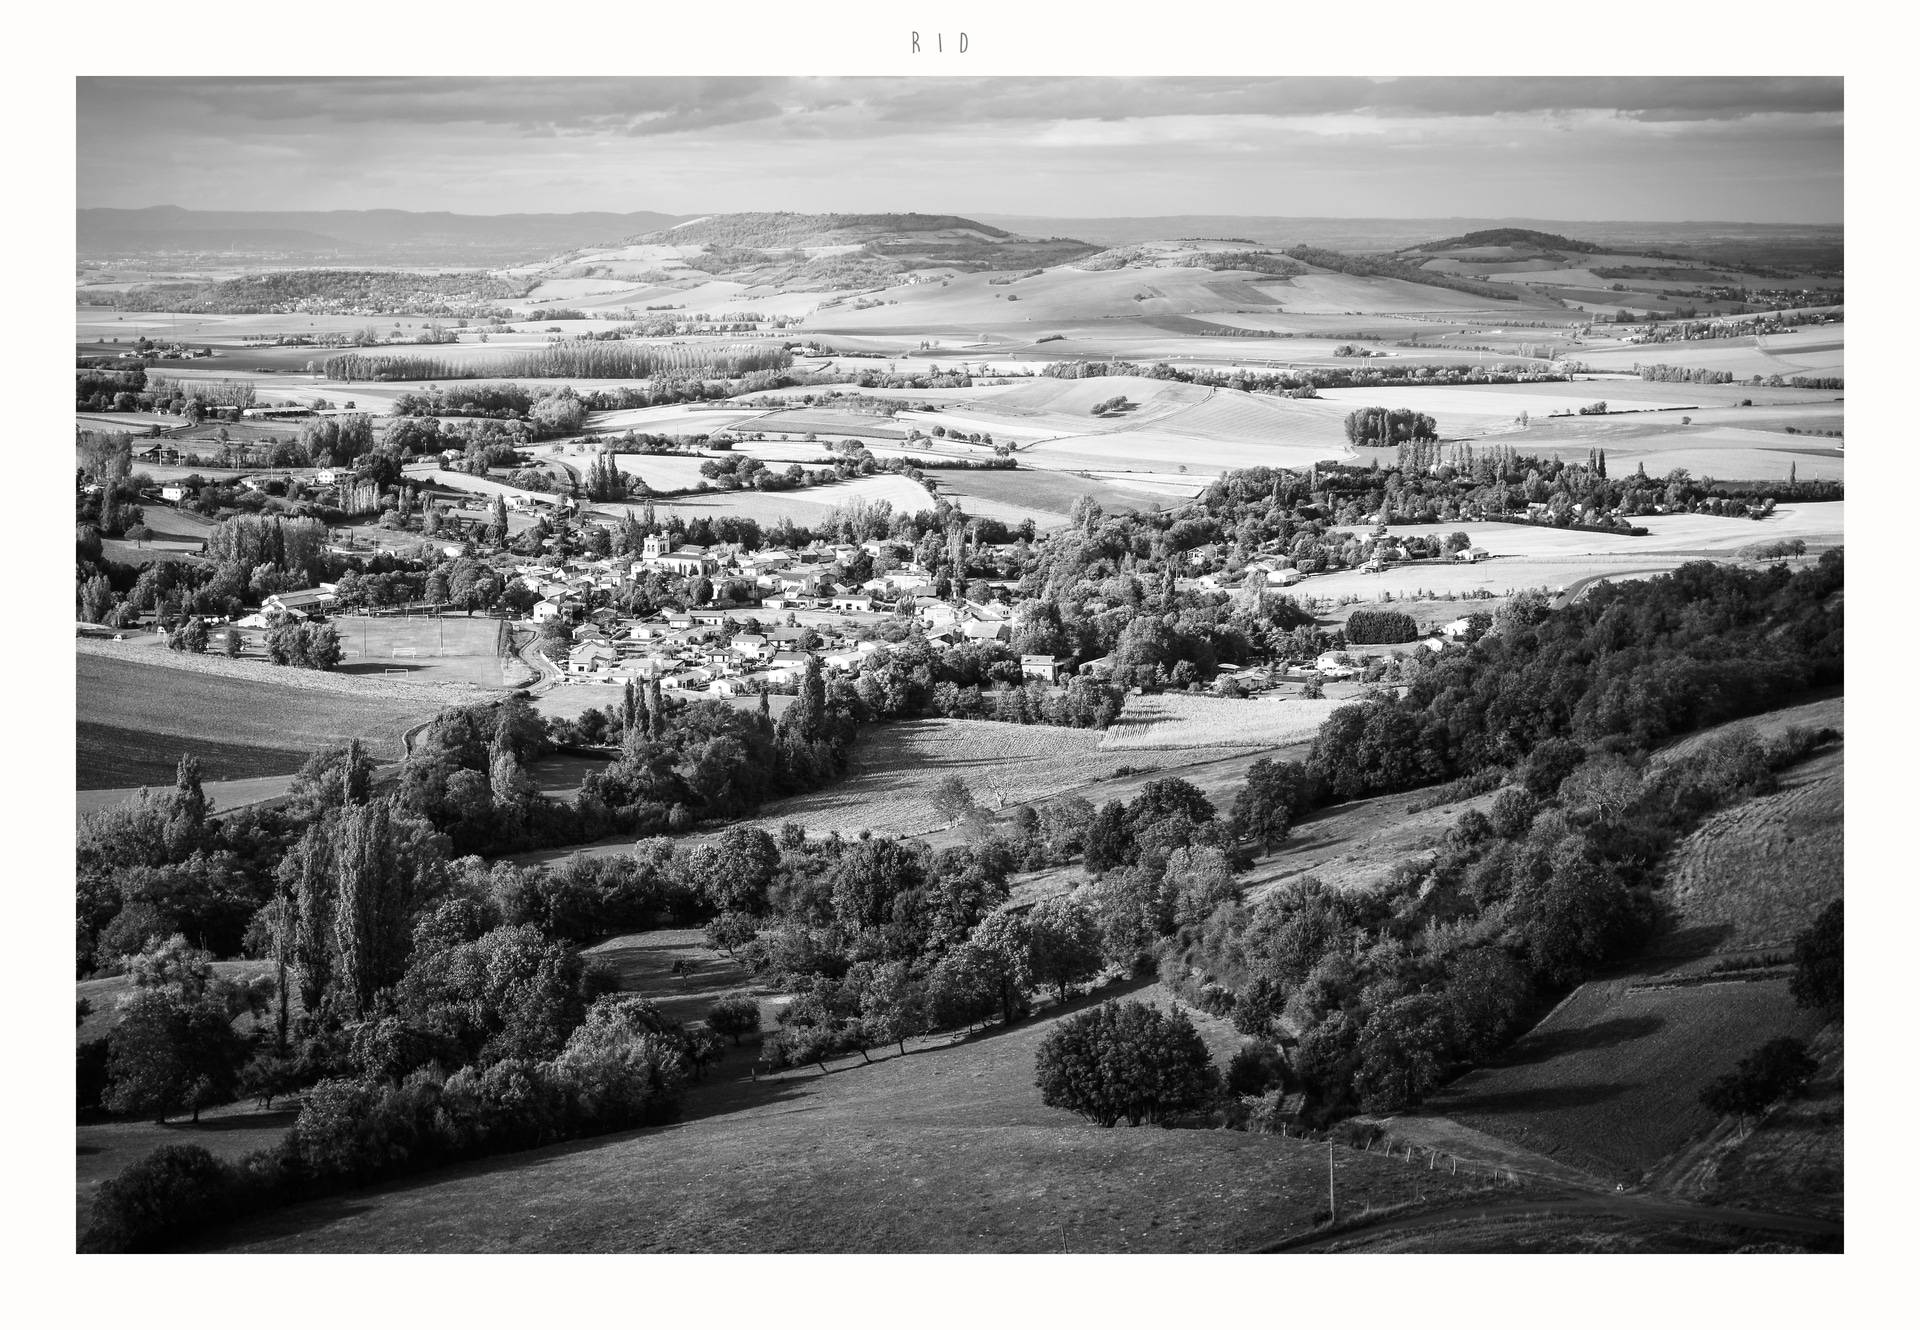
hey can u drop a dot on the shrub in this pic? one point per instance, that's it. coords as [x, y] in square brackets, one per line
[1778, 1068]
[156, 1199]
[1125, 1060]
[1256, 1067]
[734, 1016]
[1512, 813]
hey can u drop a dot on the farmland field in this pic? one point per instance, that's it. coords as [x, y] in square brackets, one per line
[805, 506]
[1045, 496]
[947, 1149]
[140, 711]
[1182, 720]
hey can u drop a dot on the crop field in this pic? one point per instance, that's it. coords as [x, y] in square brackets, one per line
[813, 420]
[1723, 449]
[661, 471]
[450, 649]
[138, 713]
[1340, 293]
[1183, 720]
[1046, 496]
[1818, 350]
[806, 506]
[1172, 452]
[945, 1149]
[677, 419]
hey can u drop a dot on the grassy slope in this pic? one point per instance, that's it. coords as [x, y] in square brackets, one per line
[947, 1149]
[1609, 1081]
[141, 716]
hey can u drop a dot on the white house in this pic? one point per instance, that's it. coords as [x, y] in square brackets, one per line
[589, 657]
[545, 610]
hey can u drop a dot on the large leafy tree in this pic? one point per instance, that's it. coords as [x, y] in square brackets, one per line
[1125, 1060]
[1063, 941]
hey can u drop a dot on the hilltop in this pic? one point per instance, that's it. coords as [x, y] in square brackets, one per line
[842, 251]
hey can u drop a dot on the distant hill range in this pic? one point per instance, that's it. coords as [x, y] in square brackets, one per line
[1807, 244]
[1511, 237]
[838, 251]
[375, 235]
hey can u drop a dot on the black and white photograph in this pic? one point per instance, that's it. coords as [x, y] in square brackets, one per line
[933, 662]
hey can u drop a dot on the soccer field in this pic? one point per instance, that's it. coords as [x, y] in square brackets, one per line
[449, 649]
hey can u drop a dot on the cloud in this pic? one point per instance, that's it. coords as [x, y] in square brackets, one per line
[980, 144]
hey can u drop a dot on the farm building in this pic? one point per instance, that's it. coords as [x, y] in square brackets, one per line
[852, 603]
[301, 602]
[1471, 554]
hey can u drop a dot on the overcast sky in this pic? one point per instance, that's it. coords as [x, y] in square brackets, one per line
[1658, 149]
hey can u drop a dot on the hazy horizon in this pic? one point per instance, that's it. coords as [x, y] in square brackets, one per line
[1667, 150]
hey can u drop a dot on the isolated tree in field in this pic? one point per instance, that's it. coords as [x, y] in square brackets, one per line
[951, 799]
[170, 1053]
[1125, 1060]
[1819, 979]
[731, 931]
[1063, 940]
[1266, 805]
[734, 1016]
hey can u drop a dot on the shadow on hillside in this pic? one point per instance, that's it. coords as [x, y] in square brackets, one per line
[1674, 943]
[1543, 1099]
[707, 1098]
[1080, 1002]
[260, 1121]
[1543, 1047]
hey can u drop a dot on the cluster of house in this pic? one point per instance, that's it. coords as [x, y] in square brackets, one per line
[697, 650]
